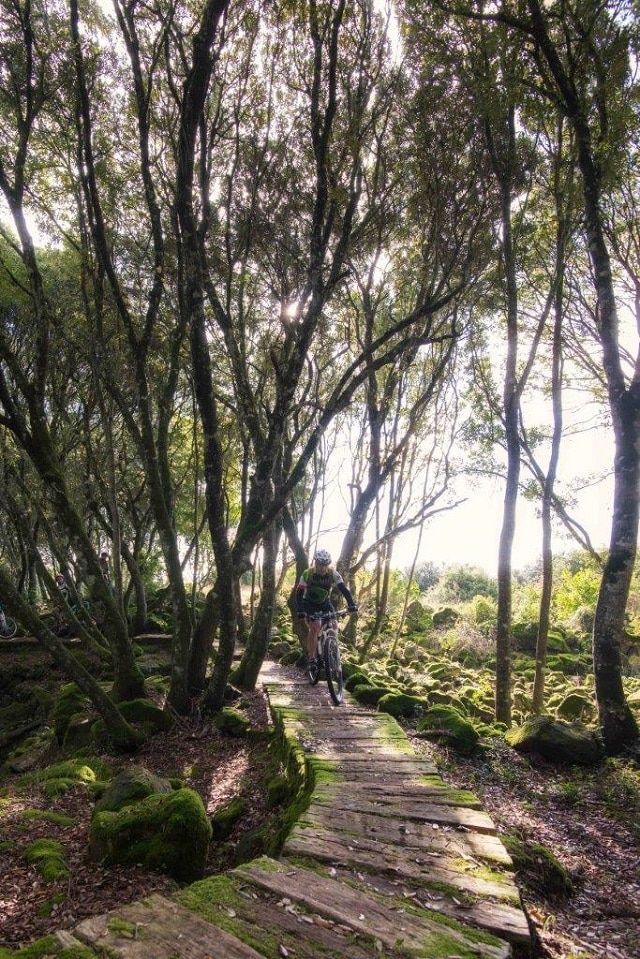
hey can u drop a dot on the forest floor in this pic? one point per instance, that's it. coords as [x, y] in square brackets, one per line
[589, 818]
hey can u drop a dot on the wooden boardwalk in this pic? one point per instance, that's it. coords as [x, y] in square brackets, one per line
[386, 861]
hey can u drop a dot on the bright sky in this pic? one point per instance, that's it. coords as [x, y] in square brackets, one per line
[470, 534]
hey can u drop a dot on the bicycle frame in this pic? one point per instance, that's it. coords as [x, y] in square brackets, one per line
[328, 656]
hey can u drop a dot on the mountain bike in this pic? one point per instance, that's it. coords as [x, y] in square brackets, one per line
[328, 656]
[8, 627]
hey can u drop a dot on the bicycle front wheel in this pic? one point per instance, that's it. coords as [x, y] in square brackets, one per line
[333, 668]
[313, 671]
[10, 628]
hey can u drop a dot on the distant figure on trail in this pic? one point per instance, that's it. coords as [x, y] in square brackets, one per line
[3, 621]
[104, 564]
[313, 597]
[103, 559]
[60, 620]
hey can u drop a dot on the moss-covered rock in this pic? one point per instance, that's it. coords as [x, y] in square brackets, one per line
[569, 664]
[402, 705]
[70, 702]
[62, 777]
[556, 741]
[223, 821]
[131, 786]
[145, 714]
[538, 866]
[48, 857]
[356, 678]
[293, 658]
[447, 616]
[231, 722]
[444, 724]
[577, 705]
[165, 833]
[368, 695]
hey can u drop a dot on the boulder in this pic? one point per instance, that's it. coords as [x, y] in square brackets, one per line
[230, 722]
[557, 741]
[165, 833]
[444, 725]
[368, 695]
[401, 704]
[130, 786]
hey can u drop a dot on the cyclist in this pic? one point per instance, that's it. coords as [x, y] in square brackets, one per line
[61, 626]
[313, 597]
[3, 621]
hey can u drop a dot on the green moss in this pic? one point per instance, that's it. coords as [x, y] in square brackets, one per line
[231, 722]
[356, 678]
[47, 856]
[538, 866]
[44, 815]
[47, 946]
[122, 928]
[169, 833]
[402, 705]
[227, 816]
[70, 702]
[368, 695]
[444, 724]
[45, 909]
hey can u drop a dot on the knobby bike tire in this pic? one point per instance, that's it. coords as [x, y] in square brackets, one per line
[333, 668]
[313, 672]
[10, 629]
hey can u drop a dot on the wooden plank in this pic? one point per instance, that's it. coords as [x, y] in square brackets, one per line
[272, 923]
[386, 921]
[410, 810]
[421, 837]
[397, 790]
[499, 918]
[160, 928]
[432, 870]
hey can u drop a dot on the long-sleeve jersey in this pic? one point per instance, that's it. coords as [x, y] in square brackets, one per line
[314, 588]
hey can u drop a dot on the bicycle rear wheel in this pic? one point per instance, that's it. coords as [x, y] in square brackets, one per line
[10, 629]
[333, 668]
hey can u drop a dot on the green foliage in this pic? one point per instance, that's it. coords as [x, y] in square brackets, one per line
[426, 576]
[459, 584]
[576, 590]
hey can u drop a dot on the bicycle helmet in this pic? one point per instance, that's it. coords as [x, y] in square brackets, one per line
[322, 558]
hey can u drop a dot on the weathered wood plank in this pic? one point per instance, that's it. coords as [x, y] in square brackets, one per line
[390, 923]
[506, 921]
[397, 790]
[433, 870]
[423, 838]
[411, 809]
[160, 928]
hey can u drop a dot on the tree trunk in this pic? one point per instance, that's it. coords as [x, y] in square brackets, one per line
[202, 644]
[618, 725]
[246, 674]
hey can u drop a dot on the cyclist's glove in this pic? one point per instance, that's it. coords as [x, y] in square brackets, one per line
[353, 609]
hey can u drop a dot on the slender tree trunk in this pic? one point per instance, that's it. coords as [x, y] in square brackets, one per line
[247, 672]
[547, 495]
[511, 412]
